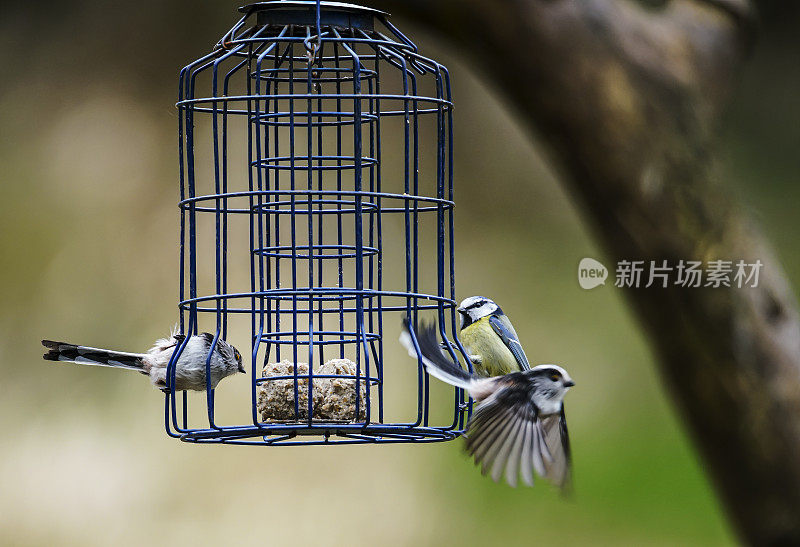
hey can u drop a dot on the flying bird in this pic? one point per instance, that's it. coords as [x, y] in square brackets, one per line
[519, 425]
[190, 370]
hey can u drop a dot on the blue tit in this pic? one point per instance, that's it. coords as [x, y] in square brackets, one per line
[519, 425]
[490, 338]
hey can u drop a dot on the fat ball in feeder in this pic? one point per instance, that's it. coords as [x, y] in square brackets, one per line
[335, 397]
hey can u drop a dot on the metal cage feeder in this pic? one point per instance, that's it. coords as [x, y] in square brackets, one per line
[316, 155]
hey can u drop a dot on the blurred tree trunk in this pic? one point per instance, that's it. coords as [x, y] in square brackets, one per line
[627, 97]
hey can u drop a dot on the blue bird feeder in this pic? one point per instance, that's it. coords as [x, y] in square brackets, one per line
[316, 154]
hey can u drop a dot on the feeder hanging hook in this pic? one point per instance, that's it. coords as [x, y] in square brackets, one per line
[313, 47]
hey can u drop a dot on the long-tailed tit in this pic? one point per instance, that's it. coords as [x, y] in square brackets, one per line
[519, 425]
[190, 370]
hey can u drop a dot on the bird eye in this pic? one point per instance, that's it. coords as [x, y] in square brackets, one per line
[555, 377]
[237, 355]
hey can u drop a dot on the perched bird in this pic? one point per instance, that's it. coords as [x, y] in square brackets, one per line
[519, 425]
[490, 338]
[190, 370]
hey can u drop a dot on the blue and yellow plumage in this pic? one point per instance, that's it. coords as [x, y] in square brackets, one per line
[490, 338]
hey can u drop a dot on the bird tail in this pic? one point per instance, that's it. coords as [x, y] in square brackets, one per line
[436, 363]
[70, 353]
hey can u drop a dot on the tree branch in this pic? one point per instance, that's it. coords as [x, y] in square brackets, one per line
[627, 98]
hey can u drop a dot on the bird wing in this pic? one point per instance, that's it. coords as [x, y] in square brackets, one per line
[558, 470]
[509, 337]
[506, 436]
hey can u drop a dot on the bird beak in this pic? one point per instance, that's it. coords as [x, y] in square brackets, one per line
[569, 383]
[241, 369]
[461, 310]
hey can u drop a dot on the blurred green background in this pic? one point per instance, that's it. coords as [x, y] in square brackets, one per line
[88, 242]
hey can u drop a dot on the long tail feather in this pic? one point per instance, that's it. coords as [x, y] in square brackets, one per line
[70, 353]
[435, 362]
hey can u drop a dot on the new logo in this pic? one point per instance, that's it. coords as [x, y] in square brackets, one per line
[591, 273]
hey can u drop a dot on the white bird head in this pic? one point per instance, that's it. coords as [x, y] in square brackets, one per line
[551, 383]
[476, 307]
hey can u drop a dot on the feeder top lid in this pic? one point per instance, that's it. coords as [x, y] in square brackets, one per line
[310, 4]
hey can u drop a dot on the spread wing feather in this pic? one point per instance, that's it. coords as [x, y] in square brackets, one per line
[558, 468]
[526, 457]
[506, 436]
